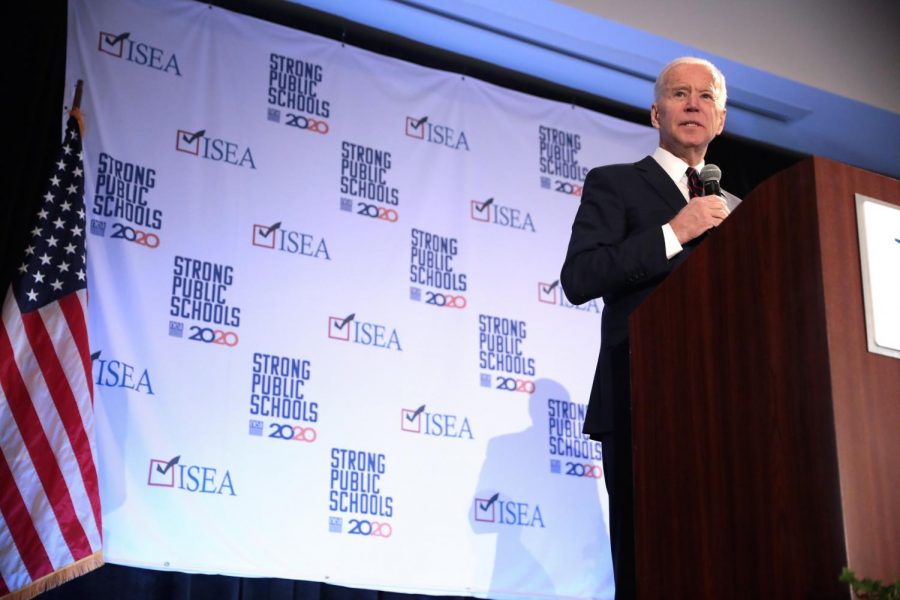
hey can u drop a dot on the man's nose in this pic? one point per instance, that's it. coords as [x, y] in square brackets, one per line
[693, 101]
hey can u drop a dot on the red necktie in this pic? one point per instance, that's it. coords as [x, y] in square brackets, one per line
[695, 186]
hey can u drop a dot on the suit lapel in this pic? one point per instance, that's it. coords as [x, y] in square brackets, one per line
[659, 180]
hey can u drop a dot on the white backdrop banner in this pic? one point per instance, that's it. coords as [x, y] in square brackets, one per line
[330, 342]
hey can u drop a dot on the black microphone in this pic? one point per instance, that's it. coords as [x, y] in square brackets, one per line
[710, 175]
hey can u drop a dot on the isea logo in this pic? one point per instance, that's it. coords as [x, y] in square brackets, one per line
[435, 423]
[122, 45]
[421, 128]
[491, 508]
[276, 237]
[552, 293]
[199, 479]
[198, 144]
[366, 333]
[113, 373]
[490, 211]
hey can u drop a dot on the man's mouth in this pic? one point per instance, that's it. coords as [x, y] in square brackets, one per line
[691, 124]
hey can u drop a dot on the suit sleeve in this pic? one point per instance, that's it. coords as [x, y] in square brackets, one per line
[615, 248]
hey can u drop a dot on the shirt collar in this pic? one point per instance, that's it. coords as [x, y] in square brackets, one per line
[672, 165]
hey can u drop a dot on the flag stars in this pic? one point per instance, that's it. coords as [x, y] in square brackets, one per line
[54, 261]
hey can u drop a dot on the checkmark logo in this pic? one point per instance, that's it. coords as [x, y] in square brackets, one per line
[338, 328]
[547, 292]
[410, 421]
[262, 233]
[272, 228]
[484, 508]
[485, 204]
[111, 43]
[189, 138]
[169, 465]
[480, 211]
[189, 141]
[161, 472]
[492, 499]
[96, 355]
[415, 127]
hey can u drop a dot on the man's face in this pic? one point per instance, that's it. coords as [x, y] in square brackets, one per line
[686, 115]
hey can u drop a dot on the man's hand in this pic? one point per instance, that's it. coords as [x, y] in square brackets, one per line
[700, 214]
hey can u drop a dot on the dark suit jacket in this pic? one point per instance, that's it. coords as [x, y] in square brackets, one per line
[617, 252]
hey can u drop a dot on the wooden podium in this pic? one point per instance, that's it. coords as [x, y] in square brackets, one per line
[766, 435]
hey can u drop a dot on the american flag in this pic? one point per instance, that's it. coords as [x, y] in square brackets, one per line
[50, 529]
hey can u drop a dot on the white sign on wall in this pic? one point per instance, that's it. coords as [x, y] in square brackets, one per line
[879, 252]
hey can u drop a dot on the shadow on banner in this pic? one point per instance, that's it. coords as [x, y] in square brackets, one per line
[552, 537]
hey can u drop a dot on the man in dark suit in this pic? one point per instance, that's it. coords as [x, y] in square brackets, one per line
[635, 224]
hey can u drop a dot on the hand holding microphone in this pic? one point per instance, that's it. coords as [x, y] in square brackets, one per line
[703, 212]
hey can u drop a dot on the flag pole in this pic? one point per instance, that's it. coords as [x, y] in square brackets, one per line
[79, 87]
[76, 106]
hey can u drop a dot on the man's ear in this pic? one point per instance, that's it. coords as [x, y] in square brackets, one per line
[722, 122]
[654, 116]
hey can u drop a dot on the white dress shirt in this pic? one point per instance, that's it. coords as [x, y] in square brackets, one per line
[676, 169]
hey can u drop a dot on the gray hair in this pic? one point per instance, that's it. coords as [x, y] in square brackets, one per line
[718, 78]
